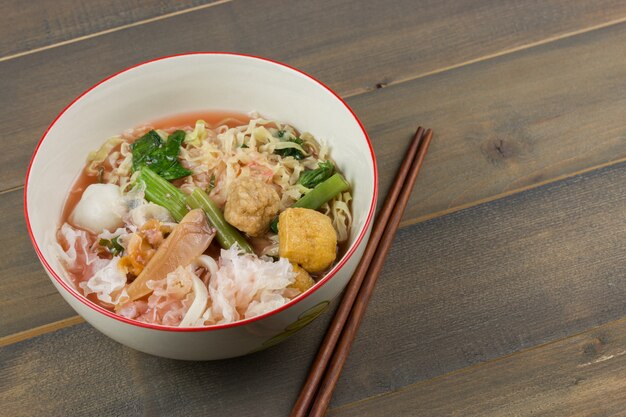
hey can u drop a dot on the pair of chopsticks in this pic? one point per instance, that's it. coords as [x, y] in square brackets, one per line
[336, 346]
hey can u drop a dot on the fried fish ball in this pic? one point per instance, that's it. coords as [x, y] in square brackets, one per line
[252, 204]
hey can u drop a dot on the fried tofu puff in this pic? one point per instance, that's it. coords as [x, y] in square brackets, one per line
[303, 280]
[308, 238]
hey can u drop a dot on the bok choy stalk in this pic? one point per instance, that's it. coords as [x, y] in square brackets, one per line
[163, 193]
[323, 192]
[227, 235]
[319, 195]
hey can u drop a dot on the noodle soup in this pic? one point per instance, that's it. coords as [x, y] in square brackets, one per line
[203, 219]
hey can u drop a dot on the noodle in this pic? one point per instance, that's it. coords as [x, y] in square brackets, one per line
[266, 159]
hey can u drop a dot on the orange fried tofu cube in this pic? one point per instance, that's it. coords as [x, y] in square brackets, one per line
[307, 237]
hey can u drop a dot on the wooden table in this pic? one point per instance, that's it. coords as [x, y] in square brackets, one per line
[507, 290]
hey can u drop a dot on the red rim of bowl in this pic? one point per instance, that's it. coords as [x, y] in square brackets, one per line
[243, 322]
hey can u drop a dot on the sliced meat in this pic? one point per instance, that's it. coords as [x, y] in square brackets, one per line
[187, 241]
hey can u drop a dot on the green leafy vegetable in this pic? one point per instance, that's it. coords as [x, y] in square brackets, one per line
[112, 245]
[296, 152]
[159, 155]
[226, 235]
[313, 177]
[163, 193]
[322, 193]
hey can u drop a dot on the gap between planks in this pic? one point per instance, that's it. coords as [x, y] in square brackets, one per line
[494, 55]
[71, 321]
[509, 193]
[115, 29]
[38, 331]
[356, 93]
[9, 190]
[491, 361]
[366, 91]
[50, 327]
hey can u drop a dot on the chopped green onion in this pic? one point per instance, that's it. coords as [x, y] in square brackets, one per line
[112, 245]
[211, 185]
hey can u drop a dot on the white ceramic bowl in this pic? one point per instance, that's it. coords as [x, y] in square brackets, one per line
[180, 84]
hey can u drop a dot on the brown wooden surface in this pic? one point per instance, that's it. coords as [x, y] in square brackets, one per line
[487, 285]
[520, 94]
[508, 123]
[579, 376]
[32, 25]
[497, 138]
[27, 299]
[352, 48]
[351, 309]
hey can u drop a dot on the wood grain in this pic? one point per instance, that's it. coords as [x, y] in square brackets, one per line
[360, 288]
[28, 25]
[351, 47]
[582, 375]
[39, 330]
[462, 289]
[125, 383]
[488, 281]
[506, 124]
[27, 297]
[491, 280]
[542, 125]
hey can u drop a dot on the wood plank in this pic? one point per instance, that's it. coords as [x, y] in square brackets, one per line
[352, 48]
[25, 26]
[507, 124]
[546, 130]
[582, 375]
[491, 280]
[136, 384]
[27, 297]
[462, 289]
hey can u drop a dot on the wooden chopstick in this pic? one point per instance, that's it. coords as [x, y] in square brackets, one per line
[342, 350]
[309, 389]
